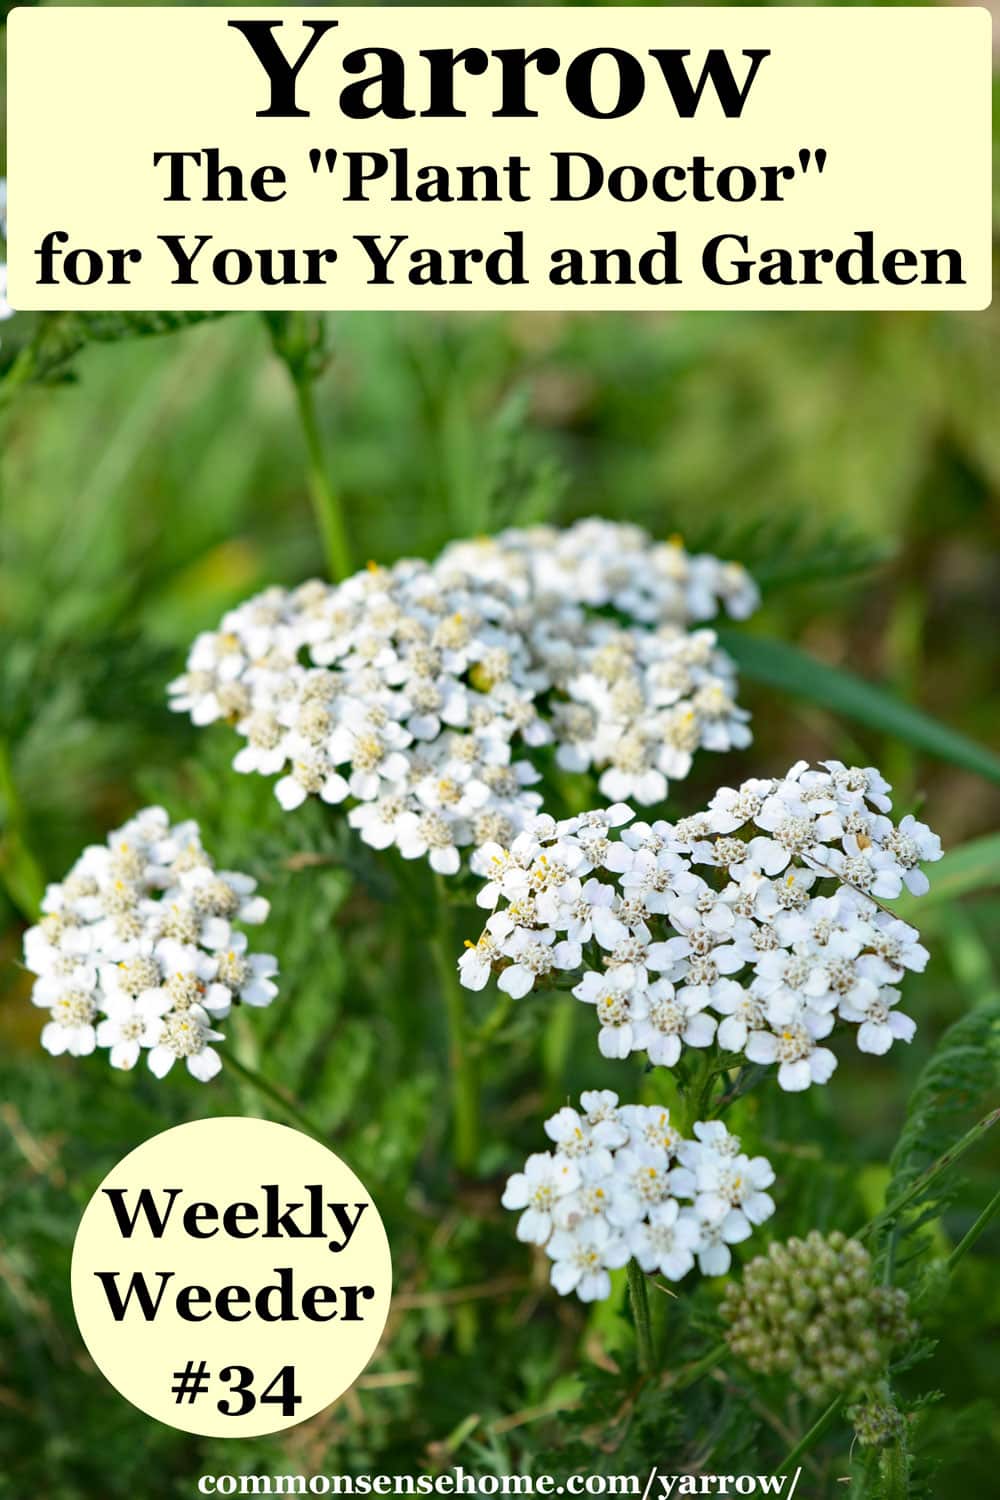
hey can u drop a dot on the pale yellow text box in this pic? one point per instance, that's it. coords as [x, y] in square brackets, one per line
[898, 99]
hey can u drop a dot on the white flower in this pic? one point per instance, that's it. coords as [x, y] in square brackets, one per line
[879, 1025]
[423, 681]
[138, 948]
[586, 912]
[186, 1034]
[620, 1007]
[715, 1238]
[785, 977]
[712, 1139]
[734, 1183]
[867, 867]
[743, 1013]
[533, 955]
[793, 1048]
[910, 843]
[632, 776]
[605, 1119]
[381, 823]
[374, 752]
[476, 964]
[794, 830]
[582, 1257]
[537, 1190]
[855, 784]
[666, 1240]
[249, 977]
[130, 1024]
[614, 1187]
[225, 896]
[672, 1020]
[781, 957]
[642, 1178]
[71, 1028]
[431, 835]
[575, 1138]
[732, 808]
[897, 943]
[311, 774]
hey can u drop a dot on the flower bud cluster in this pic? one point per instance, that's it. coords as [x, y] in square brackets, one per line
[141, 949]
[620, 1183]
[417, 694]
[877, 1423]
[756, 925]
[809, 1309]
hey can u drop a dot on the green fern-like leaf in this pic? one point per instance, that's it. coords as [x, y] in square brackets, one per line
[783, 551]
[59, 338]
[954, 1086]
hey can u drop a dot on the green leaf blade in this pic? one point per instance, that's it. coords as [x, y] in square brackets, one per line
[778, 665]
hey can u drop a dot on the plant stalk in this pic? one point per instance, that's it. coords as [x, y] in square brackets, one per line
[926, 1177]
[967, 1241]
[277, 1096]
[326, 501]
[819, 1429]
[462, 1072]
[639, 1298]
[701, 1367]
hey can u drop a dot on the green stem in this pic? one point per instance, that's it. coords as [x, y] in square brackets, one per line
[819, 1428]
[701, 1367]
[557, 1040]
[639, 1298]
[967, 1241]
[18, 375]
[747, 1078]
[461, 1064]
[20, 872]
[929, 1174]
[705, 1090]
[278, 1097]
[895, 1472]
[326, 501]
[494, 1022]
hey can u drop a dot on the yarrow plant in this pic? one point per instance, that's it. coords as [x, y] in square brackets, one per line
[754, 926]
[141, 949]
[810, 1309]
[419, 696]
[620, 1183]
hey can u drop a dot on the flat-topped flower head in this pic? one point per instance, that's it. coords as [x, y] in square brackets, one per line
[416, 696]
[141, 949]
[754, 927]
[620, 1182]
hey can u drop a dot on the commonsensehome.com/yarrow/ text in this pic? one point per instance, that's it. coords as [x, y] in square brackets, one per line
[652, 1486]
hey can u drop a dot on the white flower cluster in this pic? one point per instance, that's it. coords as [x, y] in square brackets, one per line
[608, 564]
[6, 311]
[756, 924]
[417, 693]
[620, 1183]
[137, 949]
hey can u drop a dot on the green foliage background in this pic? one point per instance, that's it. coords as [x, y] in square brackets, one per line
[853, 462]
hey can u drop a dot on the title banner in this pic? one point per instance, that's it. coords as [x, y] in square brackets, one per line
[475, 158]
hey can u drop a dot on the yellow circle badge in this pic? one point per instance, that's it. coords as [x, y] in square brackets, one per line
[231, 1277]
